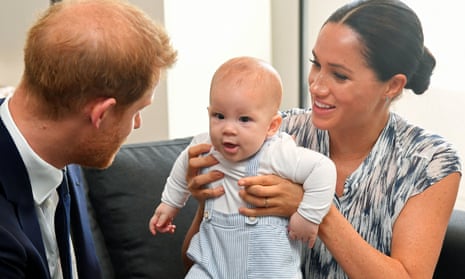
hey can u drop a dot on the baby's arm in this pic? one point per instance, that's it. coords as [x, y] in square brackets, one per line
[319, 188]
[317, 174]
[174, 196]
[162, 218]
[175, 193]
[302, 229]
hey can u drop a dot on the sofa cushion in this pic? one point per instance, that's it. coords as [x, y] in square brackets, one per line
[123, 198]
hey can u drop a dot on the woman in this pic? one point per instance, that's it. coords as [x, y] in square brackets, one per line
[396, 183]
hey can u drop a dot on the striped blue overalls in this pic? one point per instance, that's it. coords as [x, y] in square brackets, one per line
[239, 247]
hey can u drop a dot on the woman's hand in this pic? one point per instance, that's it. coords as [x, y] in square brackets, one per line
[271, 195]
[195, 184]
[195, 180]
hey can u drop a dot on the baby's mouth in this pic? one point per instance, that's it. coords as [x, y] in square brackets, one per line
[230, 147]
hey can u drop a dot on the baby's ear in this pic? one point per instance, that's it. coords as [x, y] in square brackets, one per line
[275, 124]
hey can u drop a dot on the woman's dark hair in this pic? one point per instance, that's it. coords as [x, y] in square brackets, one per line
[393, 38]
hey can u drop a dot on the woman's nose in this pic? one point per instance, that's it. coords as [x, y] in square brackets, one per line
[317, 83]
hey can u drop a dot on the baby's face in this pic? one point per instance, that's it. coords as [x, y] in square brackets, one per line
[239, 120]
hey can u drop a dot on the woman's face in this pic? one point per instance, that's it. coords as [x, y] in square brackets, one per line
[346, 94]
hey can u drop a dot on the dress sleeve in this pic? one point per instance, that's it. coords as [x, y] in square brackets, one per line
[443, 162]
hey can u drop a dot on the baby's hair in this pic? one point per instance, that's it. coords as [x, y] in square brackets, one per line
[245, 69]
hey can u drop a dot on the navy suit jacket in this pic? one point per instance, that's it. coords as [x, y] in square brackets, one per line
[22, 253]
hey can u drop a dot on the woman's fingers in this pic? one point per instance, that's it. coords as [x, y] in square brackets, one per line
[195, 186]
[196, 162]
[195, 180]
[270, 195]
[262, 180]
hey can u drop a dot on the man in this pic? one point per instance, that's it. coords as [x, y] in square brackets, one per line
[90, 68]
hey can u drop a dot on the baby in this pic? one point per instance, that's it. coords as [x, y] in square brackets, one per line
[245, 96]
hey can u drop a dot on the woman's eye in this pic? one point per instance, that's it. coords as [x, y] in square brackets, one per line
[340, 76]
[218, 115]
[244, 119]
[336, 75]
[314, 62]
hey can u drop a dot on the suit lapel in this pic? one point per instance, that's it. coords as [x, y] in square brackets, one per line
[14, 180]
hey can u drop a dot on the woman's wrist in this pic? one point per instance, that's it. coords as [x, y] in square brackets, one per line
[326, 222]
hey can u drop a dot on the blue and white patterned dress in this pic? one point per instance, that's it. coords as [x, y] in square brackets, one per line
[404, 162]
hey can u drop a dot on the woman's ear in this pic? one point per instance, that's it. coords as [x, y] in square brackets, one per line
[99, 109]
[395, 86]
[274, 125]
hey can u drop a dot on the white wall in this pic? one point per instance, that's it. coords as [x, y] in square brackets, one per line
[209, 32]
[285, 48]
[154, 117]
[15, 19]
[206, 34]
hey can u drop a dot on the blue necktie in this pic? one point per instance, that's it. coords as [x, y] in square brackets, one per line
[62, 227]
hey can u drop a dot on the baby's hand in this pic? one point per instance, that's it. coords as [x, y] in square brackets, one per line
[161, 220]
[302, 229]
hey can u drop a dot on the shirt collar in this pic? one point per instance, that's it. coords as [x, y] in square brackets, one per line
[44, 177]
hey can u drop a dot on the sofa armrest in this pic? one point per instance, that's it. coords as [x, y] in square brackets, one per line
[451, 264]
[123, 198]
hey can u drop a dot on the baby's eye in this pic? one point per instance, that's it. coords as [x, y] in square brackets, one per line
[244, 119]
[218, 115]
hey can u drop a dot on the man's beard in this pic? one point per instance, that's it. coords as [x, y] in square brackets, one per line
[99, 153]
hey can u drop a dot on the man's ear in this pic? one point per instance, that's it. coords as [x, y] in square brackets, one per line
[99, 109]
[275, 124]
[396, 84]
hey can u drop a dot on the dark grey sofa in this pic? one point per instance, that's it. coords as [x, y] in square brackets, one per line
[122, 199]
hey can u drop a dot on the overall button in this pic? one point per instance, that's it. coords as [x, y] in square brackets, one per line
[251, 220]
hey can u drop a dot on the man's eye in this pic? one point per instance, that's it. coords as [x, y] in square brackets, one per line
[218, 115]
[244, 119]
